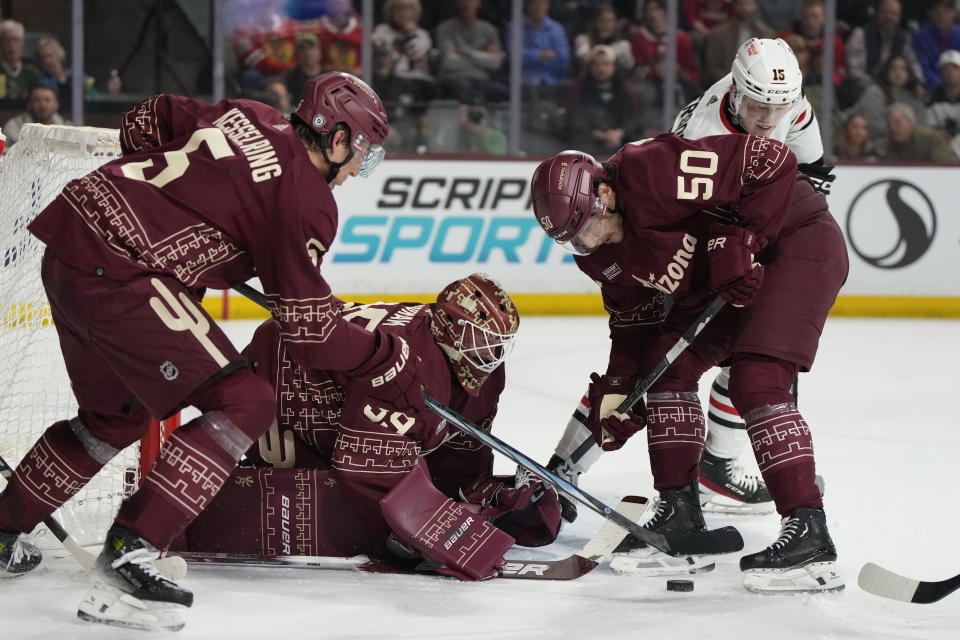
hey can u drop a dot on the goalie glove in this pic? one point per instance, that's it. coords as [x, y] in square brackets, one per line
[519, 505]
[388, 382]
[733, 272]
[612, 429]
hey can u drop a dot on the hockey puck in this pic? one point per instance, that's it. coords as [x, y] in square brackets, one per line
[679, 585]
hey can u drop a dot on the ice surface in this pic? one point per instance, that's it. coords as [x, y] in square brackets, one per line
[881, 403]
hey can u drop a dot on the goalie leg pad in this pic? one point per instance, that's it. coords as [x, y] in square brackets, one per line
[455, 539]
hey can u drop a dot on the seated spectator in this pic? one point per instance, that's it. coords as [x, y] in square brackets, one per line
[42, 107]
[935, 37]
[604, 111]
[341, 37]
[16, 76]
[905, 141]
[604, 28]
[51, 59]
[401, 54]
[699, 17]
[308, 58]
[869, 46]
[650, 50]
[896, 83]
[546, 52]
[811, 88]
[779, 14]
[476, 135]
[854, 142]
[470, 56]
[276, 95]
[263, 44]
[810, 27]
[724, 40]
[943, 112]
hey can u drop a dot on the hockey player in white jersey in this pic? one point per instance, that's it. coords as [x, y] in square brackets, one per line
[762, 96]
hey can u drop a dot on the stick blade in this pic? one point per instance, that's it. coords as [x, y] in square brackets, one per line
[884, 583]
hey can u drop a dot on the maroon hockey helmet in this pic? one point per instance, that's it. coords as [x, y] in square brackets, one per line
[563, 195]
[336, 99]
[475, 323]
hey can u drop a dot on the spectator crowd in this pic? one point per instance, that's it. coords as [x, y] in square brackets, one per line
[593, 71]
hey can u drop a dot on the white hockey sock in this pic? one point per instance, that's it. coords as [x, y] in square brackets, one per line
[574, 435]
[726, 432]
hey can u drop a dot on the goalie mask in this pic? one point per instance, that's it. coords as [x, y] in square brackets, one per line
[565, 201]
[337, 101]
[475, 323]
[767, 82]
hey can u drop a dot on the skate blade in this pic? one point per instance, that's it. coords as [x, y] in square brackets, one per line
[715, 502]
[816, 577]
[103, 604]
[652, 563]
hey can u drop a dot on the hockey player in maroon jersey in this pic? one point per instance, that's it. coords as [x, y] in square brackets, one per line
[329, 480]
[204, 196]
[689, 219]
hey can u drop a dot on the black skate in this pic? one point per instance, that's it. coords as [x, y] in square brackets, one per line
[17, 556]
[678, 517]
[803, 558]
[128, 591]
[558, 466]
[726, 487]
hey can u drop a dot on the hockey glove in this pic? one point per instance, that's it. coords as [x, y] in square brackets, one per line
[733, 273]
[611, 429]
[819, 174]
[520, 505]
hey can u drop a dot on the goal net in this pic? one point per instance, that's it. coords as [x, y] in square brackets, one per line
[34, 387]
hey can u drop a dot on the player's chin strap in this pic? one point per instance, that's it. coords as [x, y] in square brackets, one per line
[326, 140]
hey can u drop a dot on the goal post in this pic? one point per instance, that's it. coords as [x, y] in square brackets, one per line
[34, 386]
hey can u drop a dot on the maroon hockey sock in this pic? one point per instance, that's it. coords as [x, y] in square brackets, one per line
[56, 468]
[191, 468]
[784, 451]
[675, 437]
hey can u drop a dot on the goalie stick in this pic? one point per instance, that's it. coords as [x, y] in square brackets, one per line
[170, 567]
[885, 583]
[578, 564]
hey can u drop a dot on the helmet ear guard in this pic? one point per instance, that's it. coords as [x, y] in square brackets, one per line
[475, 323]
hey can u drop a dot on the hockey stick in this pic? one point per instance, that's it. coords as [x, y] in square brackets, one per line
[170, 567]
[644, 385]
[885, 583]
[578, 564]
[84, 557]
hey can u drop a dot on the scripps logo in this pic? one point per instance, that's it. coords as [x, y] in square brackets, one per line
[891, 223]
[563, 172]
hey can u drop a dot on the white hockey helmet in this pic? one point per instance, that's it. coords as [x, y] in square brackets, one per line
[767, 72]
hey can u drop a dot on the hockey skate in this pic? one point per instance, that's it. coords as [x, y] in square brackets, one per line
[17, 556]
[726, 487]
[127, 590]
[679, 518]
[560, 467]
[802, 559]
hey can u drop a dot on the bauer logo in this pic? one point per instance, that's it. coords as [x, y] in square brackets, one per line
[169, 371]
[891, 224]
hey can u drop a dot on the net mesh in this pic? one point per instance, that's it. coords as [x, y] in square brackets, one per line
[34, 388]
